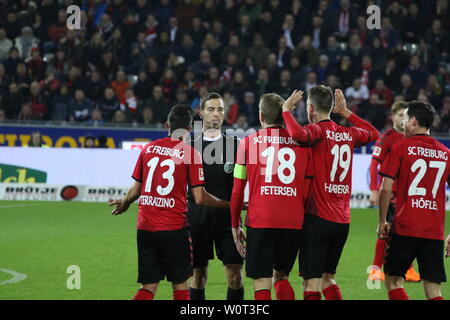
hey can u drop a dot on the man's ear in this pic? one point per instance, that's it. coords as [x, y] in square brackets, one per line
[200, 113]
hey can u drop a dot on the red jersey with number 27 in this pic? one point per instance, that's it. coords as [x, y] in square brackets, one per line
[420, 165]
[166, 167]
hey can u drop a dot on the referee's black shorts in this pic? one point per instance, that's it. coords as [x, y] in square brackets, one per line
[269, 249]
[164, 254]
[321, 246]
[402, 250]
[212, 228]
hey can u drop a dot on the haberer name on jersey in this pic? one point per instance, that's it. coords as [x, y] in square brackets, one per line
[339, 136]
[279, 191]
[164, 151]
[156, 202]
[429, 153]
[337, 188]
[274, 140]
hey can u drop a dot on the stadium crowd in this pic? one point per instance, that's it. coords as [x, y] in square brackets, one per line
[132, 60]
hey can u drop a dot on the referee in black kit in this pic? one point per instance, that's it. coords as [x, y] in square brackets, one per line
[210, 226]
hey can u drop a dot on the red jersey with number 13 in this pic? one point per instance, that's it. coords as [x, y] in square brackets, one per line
[166, 167]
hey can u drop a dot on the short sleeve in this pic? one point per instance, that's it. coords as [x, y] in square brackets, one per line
[138, 168]
[391, 164]
[195, 168]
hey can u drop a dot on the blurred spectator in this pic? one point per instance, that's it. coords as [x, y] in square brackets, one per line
[120, 85]
[61, 104]
[407, 88]
[102, 142]
[147, 117]
[119, 117]
[26, 42]
[249, 107]
[89, 141]
[36, 140]
[157, 103]
[13, 101]
[39, 101]
[357, 93]
[5, 44]
[383, 92]
[95, 86]
[109, 104]
[96, 117]
[2, 115]
[80, 107]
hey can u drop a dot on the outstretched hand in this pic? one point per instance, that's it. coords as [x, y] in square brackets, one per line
[121, 206]
[291, 103]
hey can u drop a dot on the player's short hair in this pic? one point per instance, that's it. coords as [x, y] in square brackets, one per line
[207, 97]
[321, 98]
[397, 106]
[270, 105]
[422, 111]
[180, 117]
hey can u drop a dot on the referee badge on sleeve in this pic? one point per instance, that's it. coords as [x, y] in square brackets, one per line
[228, 167]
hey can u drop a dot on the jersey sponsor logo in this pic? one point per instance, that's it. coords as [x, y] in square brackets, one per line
[228, 167]
[428, 153]
[376, 151]
[337, 188]
[156, 202]
[339, 136]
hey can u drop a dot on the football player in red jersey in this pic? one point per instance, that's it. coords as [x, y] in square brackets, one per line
[276, 169]
[163, 171]
[381, 149]
[420, 166]
[327, 215]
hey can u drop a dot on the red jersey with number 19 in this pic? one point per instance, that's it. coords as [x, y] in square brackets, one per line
[276, 168]
[420, 165]
[166, 167]
[332, 150]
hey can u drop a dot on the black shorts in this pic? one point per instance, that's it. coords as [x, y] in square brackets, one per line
[401, 252]
[164, 254]
[391, 212]
[212, 227]
[269, 249]
[321, 246]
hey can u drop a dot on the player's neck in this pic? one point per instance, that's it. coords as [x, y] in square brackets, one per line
[267, 126]
[211, 133]
[420, 131]
[320, 117]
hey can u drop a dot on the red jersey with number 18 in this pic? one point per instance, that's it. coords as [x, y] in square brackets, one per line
[166, 167]
[276, 168]
[420, 165]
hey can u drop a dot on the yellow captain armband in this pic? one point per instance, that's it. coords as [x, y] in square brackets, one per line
[240, 172]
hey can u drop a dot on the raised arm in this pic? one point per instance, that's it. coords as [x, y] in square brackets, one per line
[296, 131]
[341, 109]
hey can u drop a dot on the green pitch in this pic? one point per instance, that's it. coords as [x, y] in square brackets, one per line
[42, 239]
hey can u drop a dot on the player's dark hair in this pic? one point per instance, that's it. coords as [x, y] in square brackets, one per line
[180, 117]
[270, 105]
[422, 111]
[209, 96]
[321, 98]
